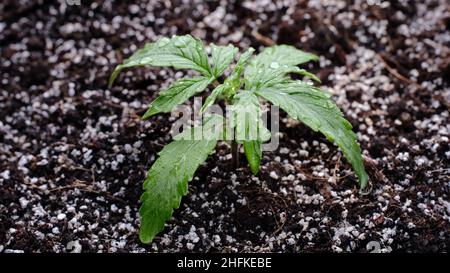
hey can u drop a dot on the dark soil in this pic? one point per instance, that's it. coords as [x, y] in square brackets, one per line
[73, 153]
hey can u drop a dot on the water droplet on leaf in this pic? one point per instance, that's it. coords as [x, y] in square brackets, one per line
[274, 65]
[146, 60]
[180, 42]
[164, 41]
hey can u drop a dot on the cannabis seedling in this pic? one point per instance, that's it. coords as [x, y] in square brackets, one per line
[265, 76]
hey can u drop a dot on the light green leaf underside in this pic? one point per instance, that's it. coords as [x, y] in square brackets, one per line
[181, 52]
[167, 182]
[315, 109]
[179, 92]
[222, 56]
[274, 64]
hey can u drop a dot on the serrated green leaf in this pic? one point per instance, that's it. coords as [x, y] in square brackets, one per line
[272, 76]
[305, 73]
[182, 52]
[284, 55]
[167, 181]
[315, 109]
[273, 64]
[212, 98]
[253, 153]
[245, 57]
[222, 57]
[233, 82]
[177, 93]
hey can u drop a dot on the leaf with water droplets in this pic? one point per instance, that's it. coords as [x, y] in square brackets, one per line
[164, 41]
[182, 52]
[222, 57]
[273, 64]
[315, 109]
[167, 180]
[177, 93]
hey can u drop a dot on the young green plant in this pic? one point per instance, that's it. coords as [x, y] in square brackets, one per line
[265, 76]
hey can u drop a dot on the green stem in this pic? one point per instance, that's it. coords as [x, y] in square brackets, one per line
[235, 154]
